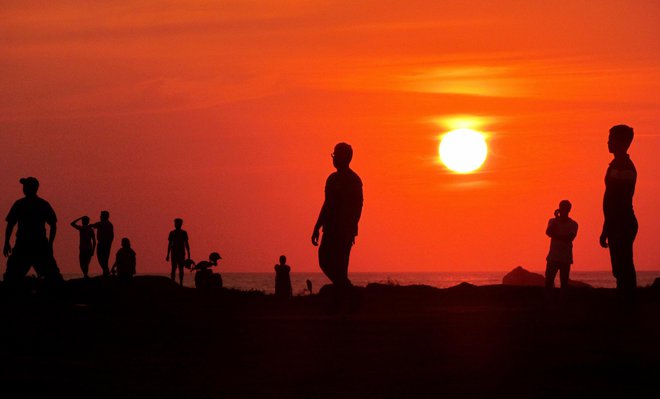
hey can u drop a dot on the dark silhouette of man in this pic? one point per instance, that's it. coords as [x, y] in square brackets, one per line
[620, 226]
[178, 247]
[87, 243]
[32, 248]
[104, 235]
[339, 217]
[562, 231]
[125, 260]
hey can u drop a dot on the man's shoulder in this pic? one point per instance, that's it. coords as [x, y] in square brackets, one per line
[355, 176]
[622, 164]
[33, 203]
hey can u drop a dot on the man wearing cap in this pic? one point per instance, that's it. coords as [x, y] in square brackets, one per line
[339, 217]
[32, 247]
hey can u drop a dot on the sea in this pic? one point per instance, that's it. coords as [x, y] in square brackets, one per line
[265, 282]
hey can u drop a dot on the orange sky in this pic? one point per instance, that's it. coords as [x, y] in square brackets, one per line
[225, 114]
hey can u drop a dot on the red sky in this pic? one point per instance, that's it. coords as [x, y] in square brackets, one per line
[225, 114]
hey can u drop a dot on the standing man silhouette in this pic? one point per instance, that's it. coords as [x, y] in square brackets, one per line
[178, 247]
[562, 231]
[620, 226]
[339, 217]
[104, 235]
[87, 243]
[31, 248]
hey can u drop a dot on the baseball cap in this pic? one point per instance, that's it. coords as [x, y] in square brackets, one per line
[29, 181]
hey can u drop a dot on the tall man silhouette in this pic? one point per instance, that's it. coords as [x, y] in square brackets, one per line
[620, 226]
[105, 233]
[32, 248]
[178, 247]
[339, 217]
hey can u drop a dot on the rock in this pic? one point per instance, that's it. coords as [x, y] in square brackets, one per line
[521, 276]
[656, 283]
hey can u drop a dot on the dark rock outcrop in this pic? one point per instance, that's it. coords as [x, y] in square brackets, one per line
[521, 276]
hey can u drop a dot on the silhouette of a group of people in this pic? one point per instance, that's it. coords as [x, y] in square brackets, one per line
[619, 228]
[338, 221]
[32, 248]
[89, 242]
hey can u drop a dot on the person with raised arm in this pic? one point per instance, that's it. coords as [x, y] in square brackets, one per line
[87, 243]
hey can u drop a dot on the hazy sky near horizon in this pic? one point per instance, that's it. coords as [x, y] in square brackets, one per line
[224, 113]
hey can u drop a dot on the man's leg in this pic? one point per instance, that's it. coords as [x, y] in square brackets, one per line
[45, 264]
[327, 255]
[564, 272]
[17, 266]
[84, 260]
[173, 270]
[551, 269]
[180, 266]
[103, 256]
[623, 268]
[343, 256]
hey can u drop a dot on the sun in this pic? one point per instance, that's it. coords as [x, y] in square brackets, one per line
[463, 150]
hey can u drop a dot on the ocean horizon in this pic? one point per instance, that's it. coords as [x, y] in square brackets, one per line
[261, 281]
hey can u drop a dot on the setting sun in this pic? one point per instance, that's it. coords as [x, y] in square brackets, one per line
[463, 150]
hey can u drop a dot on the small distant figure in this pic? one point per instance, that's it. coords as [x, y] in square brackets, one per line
[204, 276]
[562, 230]
[283, 279]
[177, 248]
[620, 226]
[125, 260]
[105, 234]
[339, 217]
[31, 248]
[309, 286]
[87, 243]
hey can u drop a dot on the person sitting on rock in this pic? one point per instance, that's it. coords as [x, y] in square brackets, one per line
[125, 260]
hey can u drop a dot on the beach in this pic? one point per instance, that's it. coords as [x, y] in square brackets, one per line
[151, 338]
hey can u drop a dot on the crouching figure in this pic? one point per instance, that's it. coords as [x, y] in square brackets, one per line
[204, 276]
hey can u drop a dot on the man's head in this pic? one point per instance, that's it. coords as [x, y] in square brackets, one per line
[178, 222]
[30, 186]
[565, 207]
[282, 260]
[105, 215]
[125, 243]
[342, 156]
[84, 220]
[621, 136]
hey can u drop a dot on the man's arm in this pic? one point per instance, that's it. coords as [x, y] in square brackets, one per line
[319, 223]
[603, 236]
[169, 249]
[187, 247]
[10, 228]
[550, 231]
[74, 224]
[93, 242]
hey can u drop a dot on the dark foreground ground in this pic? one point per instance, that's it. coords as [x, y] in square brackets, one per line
[152, 339]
